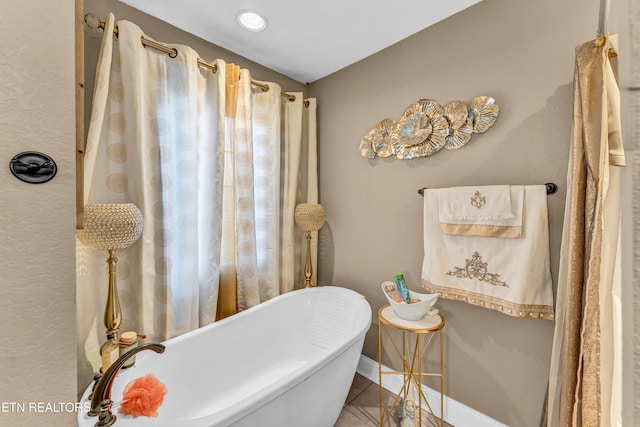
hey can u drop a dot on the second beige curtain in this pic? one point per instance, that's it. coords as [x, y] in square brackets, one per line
[270, 167]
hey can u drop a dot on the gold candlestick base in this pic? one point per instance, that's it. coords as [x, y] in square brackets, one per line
[112, 311]
[308, 269]
[309, 217]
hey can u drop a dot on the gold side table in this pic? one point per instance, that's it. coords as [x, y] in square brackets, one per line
[411, 354]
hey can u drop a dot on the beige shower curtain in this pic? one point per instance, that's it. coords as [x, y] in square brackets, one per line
[155, 139]
[199, 152]
[585, 379]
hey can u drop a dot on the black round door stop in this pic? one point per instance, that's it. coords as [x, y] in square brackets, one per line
[33, 167]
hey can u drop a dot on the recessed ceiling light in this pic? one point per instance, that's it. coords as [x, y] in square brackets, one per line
[252, 20]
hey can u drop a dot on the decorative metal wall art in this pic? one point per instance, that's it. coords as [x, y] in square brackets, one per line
[426, 128]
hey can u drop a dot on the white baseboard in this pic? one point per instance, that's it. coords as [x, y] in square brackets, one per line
[455, 413]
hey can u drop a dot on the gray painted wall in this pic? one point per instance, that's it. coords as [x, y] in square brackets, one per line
[522, 54]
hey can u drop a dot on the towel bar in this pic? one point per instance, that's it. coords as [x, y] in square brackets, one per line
[552, 188]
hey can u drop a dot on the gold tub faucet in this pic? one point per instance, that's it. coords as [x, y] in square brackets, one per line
[101, 396]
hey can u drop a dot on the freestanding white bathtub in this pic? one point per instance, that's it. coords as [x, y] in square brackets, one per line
[289, 361]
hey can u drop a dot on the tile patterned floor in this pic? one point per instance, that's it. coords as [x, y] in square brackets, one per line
[362, 407]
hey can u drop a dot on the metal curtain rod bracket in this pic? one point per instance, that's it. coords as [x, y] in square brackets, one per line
[94, 22]
[552, 188]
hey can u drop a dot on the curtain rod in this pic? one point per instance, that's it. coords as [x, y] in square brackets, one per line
[552, 188]
[603, 17]
[93, 22]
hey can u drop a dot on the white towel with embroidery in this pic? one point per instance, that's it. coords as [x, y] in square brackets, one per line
[493, 211]
[510, 275]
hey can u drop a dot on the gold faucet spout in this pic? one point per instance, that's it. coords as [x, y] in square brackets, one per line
[102, 390]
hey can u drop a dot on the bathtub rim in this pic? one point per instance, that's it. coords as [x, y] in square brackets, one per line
[263, 305]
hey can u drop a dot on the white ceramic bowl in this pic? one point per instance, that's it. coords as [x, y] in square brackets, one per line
[413, 311]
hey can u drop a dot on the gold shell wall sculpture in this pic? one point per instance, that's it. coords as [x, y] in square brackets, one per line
[426, 128]
[484, 112]
[460, 126]
[421, 131]
[378, 142]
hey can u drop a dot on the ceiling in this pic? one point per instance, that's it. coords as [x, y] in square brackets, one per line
[305, 40]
